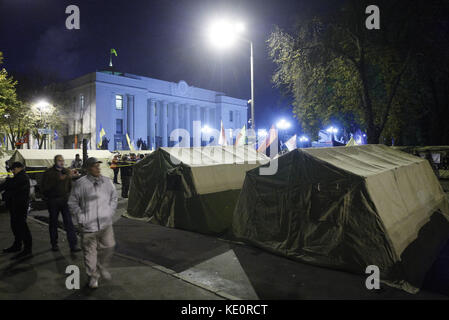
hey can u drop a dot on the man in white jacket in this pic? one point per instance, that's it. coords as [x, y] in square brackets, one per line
[92, 202]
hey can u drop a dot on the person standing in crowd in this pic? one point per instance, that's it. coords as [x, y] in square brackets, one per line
[17, 198]
[77, 163]
[56, 187]
[126, 171]
[115, 168]
[93, 201]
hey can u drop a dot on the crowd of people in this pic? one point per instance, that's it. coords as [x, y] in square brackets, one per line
[79, 192]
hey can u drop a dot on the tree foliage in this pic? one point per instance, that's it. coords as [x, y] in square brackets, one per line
[19, 116]
[13, 115]
[336, 68]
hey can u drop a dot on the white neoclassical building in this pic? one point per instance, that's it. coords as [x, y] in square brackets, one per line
[144, 108]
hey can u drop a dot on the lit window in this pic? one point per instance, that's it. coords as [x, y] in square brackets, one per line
[119, 102]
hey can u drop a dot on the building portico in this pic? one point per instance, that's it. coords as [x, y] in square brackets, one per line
[146, 109]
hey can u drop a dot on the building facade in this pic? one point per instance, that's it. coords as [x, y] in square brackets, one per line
[146, 109]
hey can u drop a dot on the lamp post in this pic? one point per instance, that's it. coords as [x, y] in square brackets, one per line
[223, 33]
[332, 130]
[43, 107]
[283, 125]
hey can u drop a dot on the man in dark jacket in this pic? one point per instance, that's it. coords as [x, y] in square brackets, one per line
[17, 198]
[126, 172]
[56, 187]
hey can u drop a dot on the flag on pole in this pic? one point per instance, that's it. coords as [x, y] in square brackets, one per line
[129, 143]
[272, 136]
[240, 140]
[55, 135]
[291, 143]
[102, 134]
[110, 56]
[351, 142]
[222, 140]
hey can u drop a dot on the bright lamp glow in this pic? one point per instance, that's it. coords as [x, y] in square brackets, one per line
[223, 33]
[239, 27]
[303, 139]
[332, 130]
[42, 105]
[206, 129]
[283, 125]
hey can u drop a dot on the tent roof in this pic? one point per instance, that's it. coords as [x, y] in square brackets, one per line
[364, 160]
[217, 168]
[44, 157]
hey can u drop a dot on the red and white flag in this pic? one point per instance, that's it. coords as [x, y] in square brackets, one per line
[222, 140]
[272, 136]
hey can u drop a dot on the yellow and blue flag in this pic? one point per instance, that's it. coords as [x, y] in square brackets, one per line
[102, 134]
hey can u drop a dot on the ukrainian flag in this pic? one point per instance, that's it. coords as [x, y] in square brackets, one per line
[102, 134]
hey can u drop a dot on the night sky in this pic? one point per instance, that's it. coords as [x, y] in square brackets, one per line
[161, 39]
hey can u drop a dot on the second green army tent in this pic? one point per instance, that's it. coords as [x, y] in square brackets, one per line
[348, 208]
[194, 189]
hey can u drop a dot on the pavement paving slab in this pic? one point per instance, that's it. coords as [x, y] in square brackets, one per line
[44, 275]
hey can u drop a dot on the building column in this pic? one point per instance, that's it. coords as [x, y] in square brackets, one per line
[151, 105]
[188, 123]
[164, 123]
[175, 116]
[130, 118]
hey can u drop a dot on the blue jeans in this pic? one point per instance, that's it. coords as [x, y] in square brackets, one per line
[56, 206]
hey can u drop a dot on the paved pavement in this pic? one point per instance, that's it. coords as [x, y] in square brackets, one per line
[43, 276]
[155, 262]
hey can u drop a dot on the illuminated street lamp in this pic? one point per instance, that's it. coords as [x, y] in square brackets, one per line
[223, 34]
[283, 125]
[262, 133]
[303, 139]
[43, 107]
[332, 130]
[206, 129]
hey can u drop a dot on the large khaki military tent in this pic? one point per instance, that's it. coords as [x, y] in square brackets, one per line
[347, 208]
[191, 188]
